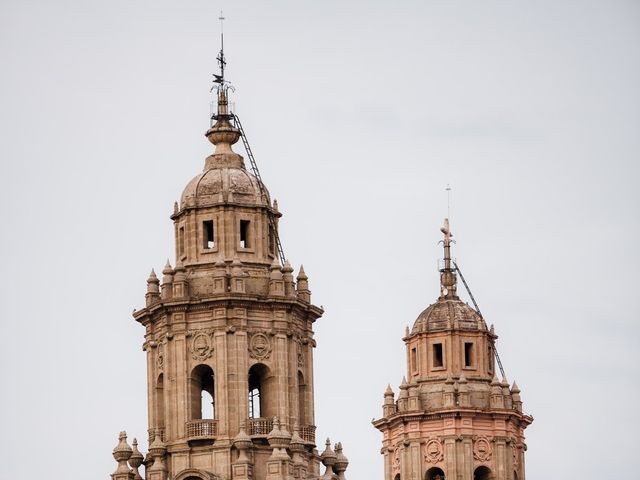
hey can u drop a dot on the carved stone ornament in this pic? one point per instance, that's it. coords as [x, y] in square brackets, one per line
[433, 451]
[514, 449]
[201, 345]
[395, 464]
[482, 449]
[160, 357]
[259, 346]
[300, 354]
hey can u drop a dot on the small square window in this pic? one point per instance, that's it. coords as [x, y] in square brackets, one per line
[468, 354]
[414, 360]
[271, 240]
[437, 355]
[244, 233]
[208, 238]
[181, 242]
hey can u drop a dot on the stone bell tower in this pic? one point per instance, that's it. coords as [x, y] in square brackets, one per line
[453, 419]
[228, 337]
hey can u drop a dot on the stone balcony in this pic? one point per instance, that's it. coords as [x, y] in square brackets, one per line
[205, 429]
[261, 427]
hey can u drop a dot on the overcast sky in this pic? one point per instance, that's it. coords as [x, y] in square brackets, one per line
[359, 114]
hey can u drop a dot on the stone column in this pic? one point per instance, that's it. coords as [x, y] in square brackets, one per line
[415, 461]
[450, 458]
[500, 452]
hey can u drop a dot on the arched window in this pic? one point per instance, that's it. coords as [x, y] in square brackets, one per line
[261, 403]
[202, 393]
[302, 401]
[159, 403]
[397, 477]
[482, 473]
[434, 473]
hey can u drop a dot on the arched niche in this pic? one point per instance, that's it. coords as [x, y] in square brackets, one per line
[302, 400]
[159, 402]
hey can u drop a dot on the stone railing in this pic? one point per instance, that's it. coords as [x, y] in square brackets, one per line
[259, 427]
[202, 429]
[308, 433]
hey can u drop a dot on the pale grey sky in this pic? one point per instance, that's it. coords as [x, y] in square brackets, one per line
[359, 114]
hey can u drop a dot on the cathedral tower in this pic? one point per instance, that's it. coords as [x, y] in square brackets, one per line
[228, 337]
[453, 418]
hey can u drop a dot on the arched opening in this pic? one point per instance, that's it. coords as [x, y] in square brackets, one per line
[397, 477]
[482, 473]
[202, 393]
[159, 403]
[196, 474]
[261, 403]
[515, 475]
[302, 401]
[434, 473]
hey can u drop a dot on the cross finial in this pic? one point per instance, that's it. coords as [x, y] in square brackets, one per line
[447, 274]
[447, 233]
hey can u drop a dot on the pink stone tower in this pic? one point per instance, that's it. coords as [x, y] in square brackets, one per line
[453, 418]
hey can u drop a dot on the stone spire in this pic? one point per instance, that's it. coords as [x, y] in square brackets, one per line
[447, 274]
[122, 452]
[153, 288]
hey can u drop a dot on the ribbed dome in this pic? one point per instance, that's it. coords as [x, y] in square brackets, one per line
[224, 180]
[448, 314]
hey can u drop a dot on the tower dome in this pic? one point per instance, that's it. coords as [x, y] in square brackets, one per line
[223, 183]
[445, 314]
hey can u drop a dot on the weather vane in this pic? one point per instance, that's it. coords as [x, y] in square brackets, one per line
[219, 79]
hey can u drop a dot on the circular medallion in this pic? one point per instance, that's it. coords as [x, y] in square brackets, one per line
[259, 346]
[201, 347]
[482, 449]
[433, 451]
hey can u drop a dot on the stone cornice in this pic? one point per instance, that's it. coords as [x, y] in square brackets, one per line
[152, 312]
[449, 330]
[187, 208]
[405, 417]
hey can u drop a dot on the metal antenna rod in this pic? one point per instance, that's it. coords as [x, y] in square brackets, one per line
[464, 282]
[221, 59]
[448, 189]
